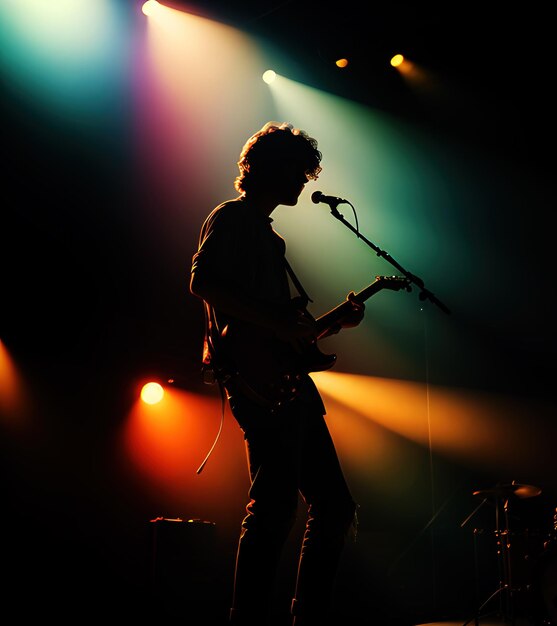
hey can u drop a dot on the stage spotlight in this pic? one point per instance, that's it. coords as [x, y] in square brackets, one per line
[152, 393]
[341, 63]
[397, 60]
[149, 6]
[269, 76]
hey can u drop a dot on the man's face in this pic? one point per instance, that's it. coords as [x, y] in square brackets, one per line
[290, 178]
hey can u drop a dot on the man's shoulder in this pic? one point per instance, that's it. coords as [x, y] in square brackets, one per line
[227, 211]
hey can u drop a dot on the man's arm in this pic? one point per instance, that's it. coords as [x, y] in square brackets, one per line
[352, 318]
[288, 324]
[232, 301]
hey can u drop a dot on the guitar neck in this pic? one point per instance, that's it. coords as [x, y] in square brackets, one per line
[328, 320]
[334, 316]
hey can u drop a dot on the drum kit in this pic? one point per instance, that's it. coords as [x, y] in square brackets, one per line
[525, 596]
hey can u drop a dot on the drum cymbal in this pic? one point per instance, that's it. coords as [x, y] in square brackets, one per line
[513, 489]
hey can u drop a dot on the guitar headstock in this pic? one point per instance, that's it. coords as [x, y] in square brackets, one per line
[394, 282]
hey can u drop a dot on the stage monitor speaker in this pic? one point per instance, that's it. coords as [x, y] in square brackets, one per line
[183, 569]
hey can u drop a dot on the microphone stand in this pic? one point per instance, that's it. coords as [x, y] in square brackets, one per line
[425, 294]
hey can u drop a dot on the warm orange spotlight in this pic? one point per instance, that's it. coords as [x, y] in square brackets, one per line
[13, 396]
[341, 62]
[152, 393]
[458, 423]
[166, 443]
[397, 60]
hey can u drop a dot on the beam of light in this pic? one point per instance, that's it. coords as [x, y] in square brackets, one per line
[188, 68]
[14, 397]
[166, 443]
[68, 55]
[486, 431]
[417, 77]
[366, 154]
[437, 93]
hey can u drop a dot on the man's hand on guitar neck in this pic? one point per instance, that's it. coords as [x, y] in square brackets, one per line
[351, 317]
[355, 314]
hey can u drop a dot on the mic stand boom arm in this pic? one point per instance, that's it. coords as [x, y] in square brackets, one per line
[425, 294]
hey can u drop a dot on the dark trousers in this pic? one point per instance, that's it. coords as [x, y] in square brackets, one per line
[289, 453]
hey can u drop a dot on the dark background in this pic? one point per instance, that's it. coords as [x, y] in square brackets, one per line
[83, 322]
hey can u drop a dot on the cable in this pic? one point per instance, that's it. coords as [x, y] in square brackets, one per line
[200, 468]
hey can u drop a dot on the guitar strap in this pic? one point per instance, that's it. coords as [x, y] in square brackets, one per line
[296, 282]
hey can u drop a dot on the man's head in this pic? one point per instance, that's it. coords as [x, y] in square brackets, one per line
[276, 153]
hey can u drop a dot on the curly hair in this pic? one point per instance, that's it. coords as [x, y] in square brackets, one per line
[273, 144]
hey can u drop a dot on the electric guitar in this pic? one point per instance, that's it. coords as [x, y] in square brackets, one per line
[270, 371]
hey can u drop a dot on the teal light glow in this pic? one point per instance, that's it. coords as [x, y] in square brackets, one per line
[414, 195]
[68, 55]
[398, 180]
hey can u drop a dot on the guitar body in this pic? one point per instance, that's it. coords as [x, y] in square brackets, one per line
[265, 369]
[316, 360]
[269, 371]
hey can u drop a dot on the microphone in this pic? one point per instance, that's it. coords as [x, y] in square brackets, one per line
[332, 201]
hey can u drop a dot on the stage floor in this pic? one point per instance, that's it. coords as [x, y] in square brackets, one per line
[488, 621]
